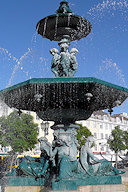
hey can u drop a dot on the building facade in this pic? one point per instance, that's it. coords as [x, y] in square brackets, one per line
[101, 125]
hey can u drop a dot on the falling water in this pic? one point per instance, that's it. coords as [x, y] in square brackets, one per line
[34, 39]
[18, 61]
[69, 17]
[107, 69]
[103, 11]
[45, 25]
[10, 60]
[37, 27]
[110, 6]
[57, 16]
[10, 56]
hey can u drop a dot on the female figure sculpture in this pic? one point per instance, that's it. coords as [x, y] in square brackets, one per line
[92, 165]
[66, 152]
[33, 167]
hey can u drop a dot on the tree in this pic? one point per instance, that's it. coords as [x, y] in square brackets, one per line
[126, 139]
[19, 132]
[116, 141]
[82, 133]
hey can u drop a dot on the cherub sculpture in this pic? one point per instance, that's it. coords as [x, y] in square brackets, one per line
[55, 61]
[65, 63]
[73, 62]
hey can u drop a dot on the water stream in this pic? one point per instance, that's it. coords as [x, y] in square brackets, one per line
[111, 6]
[110, 69]
[45, 25]
[57, 17]
[109, 21]
[18, 63]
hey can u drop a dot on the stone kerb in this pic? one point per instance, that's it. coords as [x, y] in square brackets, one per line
[99, 188]
[89, 188]
[125, 180]
[22, 189]
[102, 188]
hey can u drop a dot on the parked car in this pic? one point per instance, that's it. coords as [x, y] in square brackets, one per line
[120, 165]
[125, 162]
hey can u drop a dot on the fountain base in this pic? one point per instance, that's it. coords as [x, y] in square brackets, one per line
[73, 184]
[59, 168]
[102, 184]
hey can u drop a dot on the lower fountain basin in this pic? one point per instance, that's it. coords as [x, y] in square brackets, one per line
[64, 99]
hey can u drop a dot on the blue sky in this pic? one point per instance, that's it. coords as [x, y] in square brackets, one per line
[102, 54]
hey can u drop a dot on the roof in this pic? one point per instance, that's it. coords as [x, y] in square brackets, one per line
[100, 113]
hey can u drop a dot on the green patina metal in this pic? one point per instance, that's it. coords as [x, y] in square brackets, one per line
[69, 93]
[66, 80]
[64, 8]
[65, 184]
[93, 180]
[64, 100]
[63, 23]
[21, 181]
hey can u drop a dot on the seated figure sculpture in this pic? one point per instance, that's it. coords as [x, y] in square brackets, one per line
[66, 152]
[92, 165]
[34, 167]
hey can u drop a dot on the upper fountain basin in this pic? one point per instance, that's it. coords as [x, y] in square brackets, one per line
[62, 99]
[56, 27]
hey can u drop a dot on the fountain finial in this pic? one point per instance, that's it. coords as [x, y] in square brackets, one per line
[64, 8]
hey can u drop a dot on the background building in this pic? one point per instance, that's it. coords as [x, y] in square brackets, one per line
[101, 125]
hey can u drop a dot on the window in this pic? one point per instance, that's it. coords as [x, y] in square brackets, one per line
[95, 147]
[102, 148]
[95, 135]
[101, 126]
[110, 126]
[107, 148]
[106, 126]
[45, 127]
[102, 135]
[106, 136]
[94, 124]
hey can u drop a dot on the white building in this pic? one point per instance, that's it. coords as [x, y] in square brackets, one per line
[101, 125]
